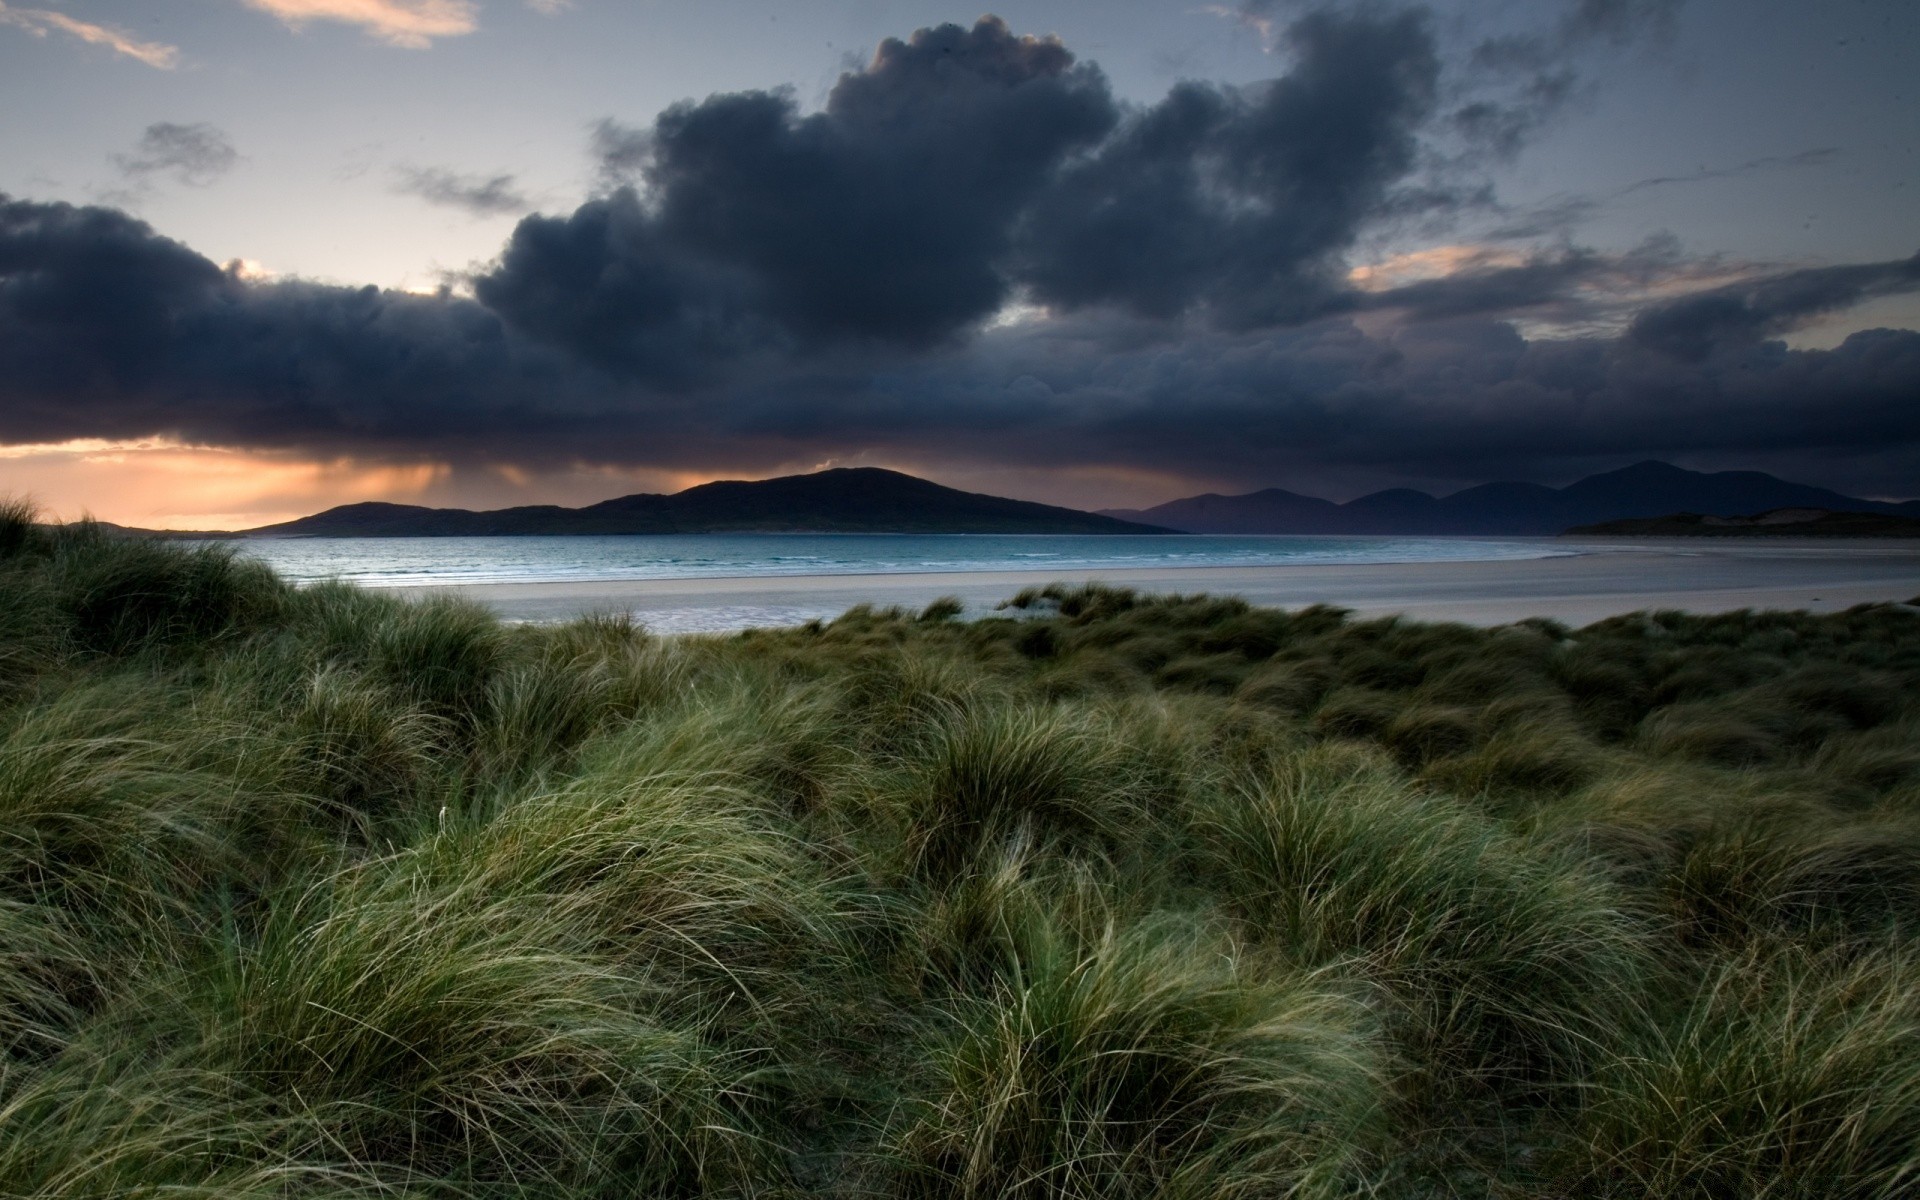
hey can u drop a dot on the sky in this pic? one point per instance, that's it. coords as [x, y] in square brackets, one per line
[259, 257]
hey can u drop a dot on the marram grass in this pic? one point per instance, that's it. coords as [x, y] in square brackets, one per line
[312, 892]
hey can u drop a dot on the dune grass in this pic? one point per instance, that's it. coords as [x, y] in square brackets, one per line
[313, 892]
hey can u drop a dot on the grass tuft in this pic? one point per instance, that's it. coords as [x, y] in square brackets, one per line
[1787, 1073]
[1501, 958]
[1160, 1059]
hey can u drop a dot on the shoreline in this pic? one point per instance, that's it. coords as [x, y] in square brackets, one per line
[1595, 578]
[775, 577]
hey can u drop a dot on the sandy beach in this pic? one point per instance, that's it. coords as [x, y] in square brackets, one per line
[1600, 579]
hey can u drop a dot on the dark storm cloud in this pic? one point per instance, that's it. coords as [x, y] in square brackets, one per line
[962, 166]
[1615, 22]
[196, 155]
[1480, 289]
[1241, 200]
[480, 195]
[1463, 401]
[108, 330]
[881, 218]
[1504, 89]
[607, 283]
[1696, 326]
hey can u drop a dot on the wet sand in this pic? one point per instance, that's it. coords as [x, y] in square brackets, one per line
[1603, 578]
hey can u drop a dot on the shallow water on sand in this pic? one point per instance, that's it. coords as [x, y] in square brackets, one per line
[414, 562]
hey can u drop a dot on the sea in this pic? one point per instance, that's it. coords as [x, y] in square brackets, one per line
[430, 561]
[453, 561]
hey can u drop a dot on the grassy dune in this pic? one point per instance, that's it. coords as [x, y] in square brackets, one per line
[318, 893]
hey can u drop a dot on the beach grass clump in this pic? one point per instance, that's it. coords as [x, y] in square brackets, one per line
[1784, 1073]
[98, 810]
[47, 976]
[1062, 774]
[117, 596]
[547, 699]
[1533, 751]
[677, 873]
[20, 531]
[1733, 883]
[1880, 761]
[1154, 1059]
[1292, 687]
[440, 653]
[432, 1037]
[1501, 958]
[1710, 733]
[321, 891]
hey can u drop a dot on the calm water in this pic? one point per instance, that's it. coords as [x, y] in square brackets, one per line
[410, 562]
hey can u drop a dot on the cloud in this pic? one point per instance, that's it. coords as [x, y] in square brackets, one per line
[1466, 400]
[38, 21]
[964, 167]
[974, 253]
[106, 326]
[195, 155]
[412, 24]
[1772, 162]
[1558, 217]
[1240, 201]
[1568, 289]
[621, 151]
[109, 331]
[882, 218]
[1481, 284]
[1698, 326]
[606, 285]
[480, 195]
[1517, 82]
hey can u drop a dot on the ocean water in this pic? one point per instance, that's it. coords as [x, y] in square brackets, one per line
[414, 562]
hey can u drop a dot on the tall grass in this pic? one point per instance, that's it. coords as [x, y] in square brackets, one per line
[1786, 1073]
[1157, 1060]
[115, 596]
[19, 530]
[1501, 958]
[321, 892]
[1061, 774]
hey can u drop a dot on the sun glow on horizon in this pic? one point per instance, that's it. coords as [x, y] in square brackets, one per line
[165, 483]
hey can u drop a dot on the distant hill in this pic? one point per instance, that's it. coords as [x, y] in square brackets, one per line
[1648, 489]
[1780, 522]
[843, 500]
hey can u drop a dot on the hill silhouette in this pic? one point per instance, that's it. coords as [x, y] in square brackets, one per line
[842, 500]
[1644, 490]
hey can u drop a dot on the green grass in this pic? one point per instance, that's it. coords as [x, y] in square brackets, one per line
[315, 892]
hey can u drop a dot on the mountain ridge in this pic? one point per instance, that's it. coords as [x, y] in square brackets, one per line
[839, 500]
[1645, 489]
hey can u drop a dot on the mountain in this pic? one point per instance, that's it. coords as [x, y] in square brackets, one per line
[843, 500]
[1780, 522]
[1257, 512]
[1648, 489]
